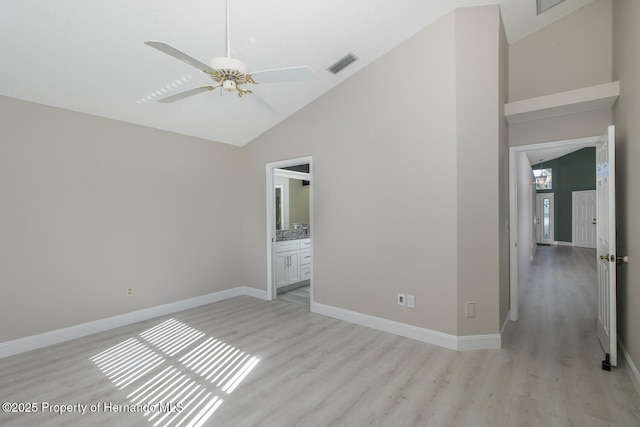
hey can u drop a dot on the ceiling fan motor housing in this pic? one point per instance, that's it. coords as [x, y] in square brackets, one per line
[232, 65]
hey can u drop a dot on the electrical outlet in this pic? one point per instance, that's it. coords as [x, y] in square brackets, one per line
[129, 291]
[470, 309]
[402, 299]
[411, 301]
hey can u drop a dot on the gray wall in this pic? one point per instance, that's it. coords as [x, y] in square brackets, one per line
[409, 222]
[90, 207]
[626, 114]
[482, 198]
[384, 185]
[553, 59]
[572, 53]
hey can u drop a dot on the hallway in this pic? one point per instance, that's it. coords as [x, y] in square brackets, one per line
[558, 302]
[555, 339]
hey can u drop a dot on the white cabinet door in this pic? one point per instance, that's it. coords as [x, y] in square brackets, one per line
[282, 278]
[294, 267]
[287, 268]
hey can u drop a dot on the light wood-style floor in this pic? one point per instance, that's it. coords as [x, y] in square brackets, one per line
[299, 295]
[247, 362]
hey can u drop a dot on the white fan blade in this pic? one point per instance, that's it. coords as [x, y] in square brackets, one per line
[291, 74]
[170, 50]
[259, 103]
[185, 94]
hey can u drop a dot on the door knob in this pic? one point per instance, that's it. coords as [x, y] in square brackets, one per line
[622, 259]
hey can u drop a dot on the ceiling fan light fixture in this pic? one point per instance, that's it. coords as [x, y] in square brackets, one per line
[229, 84]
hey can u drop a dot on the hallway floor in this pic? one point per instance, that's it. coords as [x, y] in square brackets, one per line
[555, 339]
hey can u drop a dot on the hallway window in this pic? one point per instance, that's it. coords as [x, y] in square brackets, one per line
[543, 179]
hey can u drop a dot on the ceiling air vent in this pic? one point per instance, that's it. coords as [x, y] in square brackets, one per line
[343, 63]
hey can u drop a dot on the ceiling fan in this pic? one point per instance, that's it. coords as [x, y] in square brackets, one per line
[230, 74]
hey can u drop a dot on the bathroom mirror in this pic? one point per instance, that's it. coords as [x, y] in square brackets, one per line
[291, 194]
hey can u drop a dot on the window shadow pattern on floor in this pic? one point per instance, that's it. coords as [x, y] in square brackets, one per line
[174, 375]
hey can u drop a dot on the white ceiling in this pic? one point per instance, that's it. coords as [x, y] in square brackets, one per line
[545, 154]
[89, 55]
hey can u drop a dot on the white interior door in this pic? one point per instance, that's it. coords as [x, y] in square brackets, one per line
[544, 218]
[606, 230]
[584, 219]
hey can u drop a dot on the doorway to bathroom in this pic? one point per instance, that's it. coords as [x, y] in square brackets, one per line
[289, 211]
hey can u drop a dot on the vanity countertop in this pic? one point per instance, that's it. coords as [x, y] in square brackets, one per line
[282, 235]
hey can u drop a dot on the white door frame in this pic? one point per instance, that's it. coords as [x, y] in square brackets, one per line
[271, 223]
[513, 206]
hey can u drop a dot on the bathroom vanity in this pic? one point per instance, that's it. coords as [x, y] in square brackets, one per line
[292, 261]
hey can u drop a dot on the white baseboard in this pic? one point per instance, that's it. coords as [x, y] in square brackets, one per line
[479, 342]
[253, 292]
[452, 342]
[20, 345]
[632, 369]
[558, 243]
[472, 342]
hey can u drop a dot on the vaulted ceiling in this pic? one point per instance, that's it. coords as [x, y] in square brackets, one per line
[89, 56]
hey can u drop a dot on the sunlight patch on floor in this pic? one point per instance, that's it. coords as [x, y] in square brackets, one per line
[171, 336]
[127, 361]
[185, 390]
[220, 363]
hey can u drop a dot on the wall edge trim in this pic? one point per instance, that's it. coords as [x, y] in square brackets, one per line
[507, 319]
